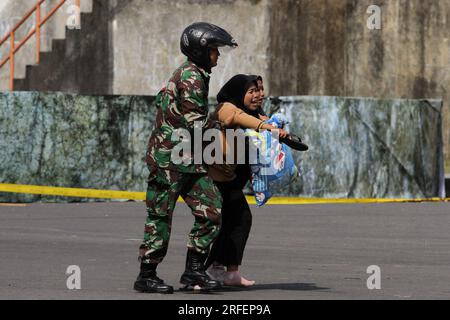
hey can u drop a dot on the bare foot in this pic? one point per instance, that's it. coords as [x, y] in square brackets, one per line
[234, 278]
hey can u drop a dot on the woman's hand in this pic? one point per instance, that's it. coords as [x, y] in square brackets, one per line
[281, 133]
[271, 127]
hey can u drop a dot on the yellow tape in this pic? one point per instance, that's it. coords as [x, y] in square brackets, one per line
[140, 196]
[72, 192]
[297, 201]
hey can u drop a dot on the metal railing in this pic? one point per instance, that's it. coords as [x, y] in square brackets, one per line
[36, 31]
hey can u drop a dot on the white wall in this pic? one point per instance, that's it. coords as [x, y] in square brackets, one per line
[147, 35]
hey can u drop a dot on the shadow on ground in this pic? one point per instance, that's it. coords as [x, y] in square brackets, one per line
[278, 286]
[268, 286]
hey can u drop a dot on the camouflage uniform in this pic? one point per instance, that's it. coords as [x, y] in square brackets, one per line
[183, 101]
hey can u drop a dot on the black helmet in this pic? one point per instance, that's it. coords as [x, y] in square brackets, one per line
[198, 38]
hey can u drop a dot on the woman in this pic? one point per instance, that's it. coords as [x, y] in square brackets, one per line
[262, 114]
[238, 108]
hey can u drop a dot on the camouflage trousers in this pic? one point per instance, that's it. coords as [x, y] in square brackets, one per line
[199, 193]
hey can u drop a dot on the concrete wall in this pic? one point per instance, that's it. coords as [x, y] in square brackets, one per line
[359, 148]
[301, 47]
[327, 49]
[61, 139]
[147, 37]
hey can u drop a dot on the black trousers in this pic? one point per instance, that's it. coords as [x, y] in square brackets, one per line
[228, 248]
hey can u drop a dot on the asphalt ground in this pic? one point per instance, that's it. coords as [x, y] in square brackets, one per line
[295, 252]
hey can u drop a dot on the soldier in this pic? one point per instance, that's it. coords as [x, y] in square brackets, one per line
[182, 102]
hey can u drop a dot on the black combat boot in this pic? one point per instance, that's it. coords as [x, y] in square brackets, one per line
[195, 273]
[148, 282]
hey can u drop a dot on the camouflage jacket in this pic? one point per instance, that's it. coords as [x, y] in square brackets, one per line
[183, 101]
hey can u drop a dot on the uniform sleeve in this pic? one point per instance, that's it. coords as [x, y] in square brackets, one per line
[233, 116]
[193, 96]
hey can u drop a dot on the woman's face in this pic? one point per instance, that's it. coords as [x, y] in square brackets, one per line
[251, 99]
[261, 91]
[261, 88]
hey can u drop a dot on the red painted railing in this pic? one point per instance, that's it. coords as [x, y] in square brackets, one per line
[36, 31]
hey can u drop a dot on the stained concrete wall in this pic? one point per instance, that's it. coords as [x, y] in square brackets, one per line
[367, 148]
[301, 47]
[147, 40]
[61, 139]
[327, 49]
[359, 148]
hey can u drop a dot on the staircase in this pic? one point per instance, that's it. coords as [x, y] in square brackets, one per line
[79, 63]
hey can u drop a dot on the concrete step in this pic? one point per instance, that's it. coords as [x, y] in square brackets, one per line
[50, 62]
[58, 45]
[77, 62]
[20, 84]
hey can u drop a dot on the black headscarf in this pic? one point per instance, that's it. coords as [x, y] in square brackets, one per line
[234, 91]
